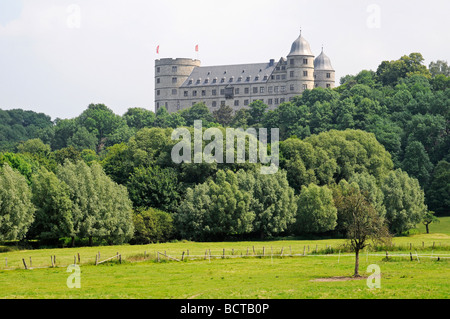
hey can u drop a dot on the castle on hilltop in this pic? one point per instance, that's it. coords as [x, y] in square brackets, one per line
[181, 83]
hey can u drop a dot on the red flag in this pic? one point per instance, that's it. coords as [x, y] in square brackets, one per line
[196, 48]
[157, 49]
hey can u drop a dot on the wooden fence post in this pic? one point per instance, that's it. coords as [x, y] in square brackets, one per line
[223, 256]
[254, 250]
[304, 250]
[410, 256]
[53, 264]
[24, 263]
[31, 264]
[120, 258]
[282, 248]
[158, 256]
[79, 258]
[182, 256]
[96, 259]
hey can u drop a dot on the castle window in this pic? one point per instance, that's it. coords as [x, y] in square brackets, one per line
[158, 80]
[270, 89]
[231, 79]
[278, 77]
[248, 79]
[174, 80]
[236, 102]
[276, 101]
[305, 86]
[292, 61]
[291, 74]
[157, 106]
[283, 68]
[222, 91]
[255, 90]
[328, 85]
[239, 79]
[257, 78]
[328, 75]
[206, 81]
[305, 61]
[229, 93]
[186, 93]
[247, 90]
[199, 81]
[245, 102]
[270, 101]
[305, 73]
[203, 92]
[276, 89]
[222, 103]
[190, 82]
[262, 89]
[174, 92]
[265, 77]
[214, 92]
[277, 68]
[222, 81]
[214, 103]
[158, 92]
[317, 85]
[158, 69]
[292, 87]
[174, 69]
[283, 89]
[282, 100]
[283, 76]
[236, 91]
[194, 93]
[215, 80]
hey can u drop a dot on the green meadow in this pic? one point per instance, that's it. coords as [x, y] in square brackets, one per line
[301, 272]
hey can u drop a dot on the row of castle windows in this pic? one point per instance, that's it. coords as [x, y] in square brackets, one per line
[273, 77]
[292, 62]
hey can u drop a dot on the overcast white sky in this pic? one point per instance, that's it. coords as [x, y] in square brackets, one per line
[58, 56]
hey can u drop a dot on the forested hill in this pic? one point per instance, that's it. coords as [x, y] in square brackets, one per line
[405, 104]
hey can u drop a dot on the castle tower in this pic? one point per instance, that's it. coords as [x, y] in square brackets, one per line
[300, 67]
[324, 74]
[170, 74]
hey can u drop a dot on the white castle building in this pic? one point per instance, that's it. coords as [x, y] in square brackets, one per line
[181, 83]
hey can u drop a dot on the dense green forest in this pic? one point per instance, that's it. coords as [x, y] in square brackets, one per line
[108, 178]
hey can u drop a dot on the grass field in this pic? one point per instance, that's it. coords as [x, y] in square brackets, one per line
[234, 277]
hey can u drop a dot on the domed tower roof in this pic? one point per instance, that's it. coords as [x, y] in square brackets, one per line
[300, 47]
[323, 62]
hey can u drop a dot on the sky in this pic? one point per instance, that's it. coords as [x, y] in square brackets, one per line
[59, 56]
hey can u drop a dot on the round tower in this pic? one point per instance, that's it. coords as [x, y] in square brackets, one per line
[170, 74]
[324, 74]
[300, 67]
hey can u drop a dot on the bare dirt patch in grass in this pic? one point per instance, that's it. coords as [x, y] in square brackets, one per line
[331, 279]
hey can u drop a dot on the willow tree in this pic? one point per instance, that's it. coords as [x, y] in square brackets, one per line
[101, 208]
[16, 208]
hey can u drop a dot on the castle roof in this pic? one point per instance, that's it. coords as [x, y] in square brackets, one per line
[300, 47]
[230, 74]
[323, 62]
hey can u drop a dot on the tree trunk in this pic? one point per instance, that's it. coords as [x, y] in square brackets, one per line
[90, 240]
[73, 241]
[356, 263]
[426, 226]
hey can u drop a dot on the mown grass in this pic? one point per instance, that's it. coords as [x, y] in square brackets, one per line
[235, 278]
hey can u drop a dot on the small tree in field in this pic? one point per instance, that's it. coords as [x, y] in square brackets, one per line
[428, 219]
[359, 220]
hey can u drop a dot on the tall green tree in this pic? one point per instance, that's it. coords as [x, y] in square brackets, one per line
[101, 208]
[51, 198]
[316, 212]
[438, 194]
[404, 201]
[16, 208]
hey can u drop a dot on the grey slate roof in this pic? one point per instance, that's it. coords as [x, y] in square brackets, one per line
[232, 74]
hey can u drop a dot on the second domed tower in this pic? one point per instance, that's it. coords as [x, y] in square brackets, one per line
[324, 73]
